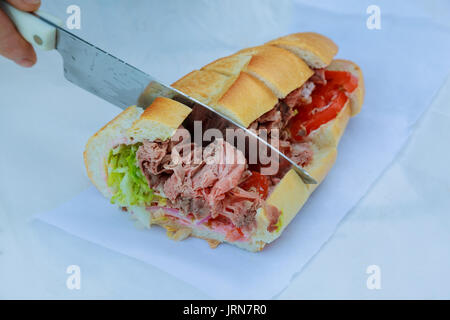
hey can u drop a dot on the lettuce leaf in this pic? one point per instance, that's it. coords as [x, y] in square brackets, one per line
[125, 178]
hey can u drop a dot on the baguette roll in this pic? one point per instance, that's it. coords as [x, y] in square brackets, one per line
[243, 86]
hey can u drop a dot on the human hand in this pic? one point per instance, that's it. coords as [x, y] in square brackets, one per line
[12, 45]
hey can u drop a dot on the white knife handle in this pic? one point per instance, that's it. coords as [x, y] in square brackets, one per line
[34, 30]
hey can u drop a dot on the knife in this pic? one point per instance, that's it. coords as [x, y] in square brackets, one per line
[119, 83]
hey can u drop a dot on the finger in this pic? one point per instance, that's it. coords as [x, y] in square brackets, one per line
[25, 5]
[12, 45]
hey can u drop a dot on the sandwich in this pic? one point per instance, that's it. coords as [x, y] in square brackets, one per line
[291, 84]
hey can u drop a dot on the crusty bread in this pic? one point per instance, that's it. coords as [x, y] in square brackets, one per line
[204, 85]
[246, 100]
[242, 86]
[315, 49]
[230, 66]
[158, 122]
[279, 69]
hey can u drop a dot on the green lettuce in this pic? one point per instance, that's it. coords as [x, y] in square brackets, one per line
[125, 178]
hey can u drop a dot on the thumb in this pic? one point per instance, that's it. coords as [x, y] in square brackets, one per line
[25, 5]
[12, 45]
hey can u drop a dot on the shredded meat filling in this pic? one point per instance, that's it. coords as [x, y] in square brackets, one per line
[205, 187]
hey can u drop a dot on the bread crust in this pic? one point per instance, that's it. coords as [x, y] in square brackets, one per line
[279, 69]
[159, 121]
[242, 86]
[204, 85]
[246, 100]
[158, 112]
[229, 66]
[315, 49]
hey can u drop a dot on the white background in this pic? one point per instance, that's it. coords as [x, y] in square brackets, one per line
[402, 224]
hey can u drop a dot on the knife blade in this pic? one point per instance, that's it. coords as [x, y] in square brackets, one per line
[121, 84]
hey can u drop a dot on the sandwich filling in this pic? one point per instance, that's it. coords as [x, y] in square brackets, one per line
[214, 187]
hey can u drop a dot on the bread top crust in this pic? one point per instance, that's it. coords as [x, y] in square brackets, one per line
[275, 69]
[279, 69]
[246, 100]
[204, 85]
[316, 49]
[159, 121]
[158, 112]
[231, 65]
[249, 83]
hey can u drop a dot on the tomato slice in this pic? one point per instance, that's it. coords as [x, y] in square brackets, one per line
[341, 80]
[257, 181]
[312, 116]
[326, 114]
[326, 103]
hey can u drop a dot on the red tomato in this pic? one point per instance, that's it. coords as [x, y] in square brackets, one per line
[327, 114]
[326, 103]
[342, 79]
[257, 181]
